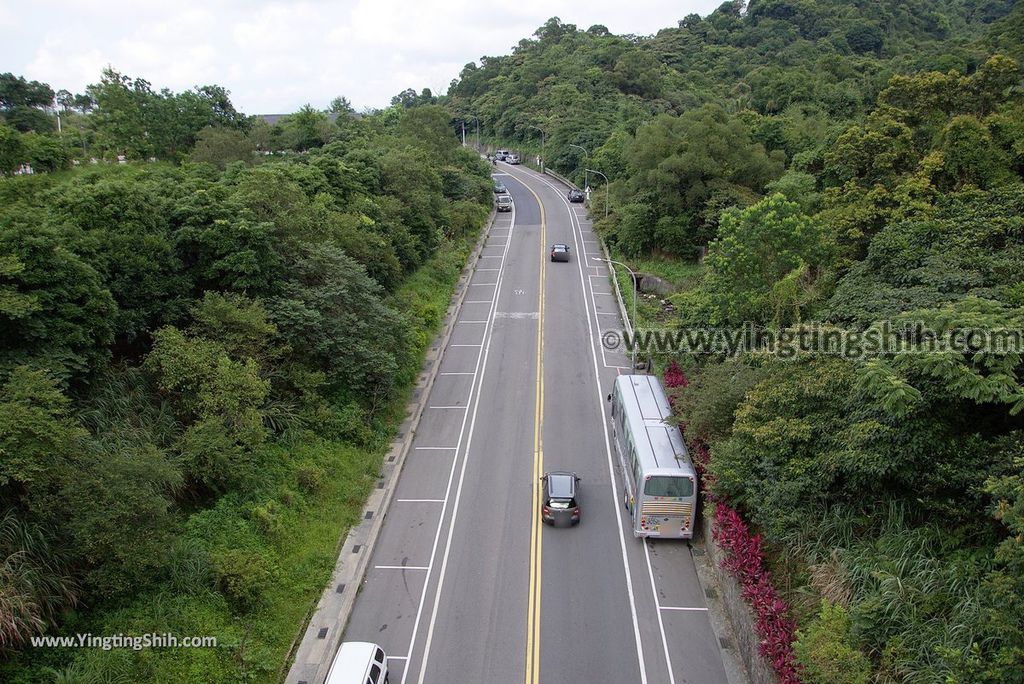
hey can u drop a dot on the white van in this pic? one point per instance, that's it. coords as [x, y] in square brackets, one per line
[359, 662]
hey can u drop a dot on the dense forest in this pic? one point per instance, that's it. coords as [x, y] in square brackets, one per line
[204, 352]
[846, 165]
[197, 351]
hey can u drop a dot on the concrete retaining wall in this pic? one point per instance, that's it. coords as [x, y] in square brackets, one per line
[737, 612]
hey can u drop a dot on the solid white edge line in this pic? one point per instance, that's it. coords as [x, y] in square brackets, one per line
[400, 567]
[687, 608]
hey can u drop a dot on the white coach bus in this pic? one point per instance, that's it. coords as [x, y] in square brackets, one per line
[661, 484]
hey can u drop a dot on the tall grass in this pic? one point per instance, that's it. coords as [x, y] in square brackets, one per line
[913, 594]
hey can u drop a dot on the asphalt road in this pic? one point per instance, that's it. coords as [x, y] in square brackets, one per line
[465, 584]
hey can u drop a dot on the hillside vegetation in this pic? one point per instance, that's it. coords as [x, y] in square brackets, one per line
[856, 167]
[202, 361]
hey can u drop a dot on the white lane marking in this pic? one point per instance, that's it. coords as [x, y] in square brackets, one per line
[420, 500]
[608, 451]
[436, 448]
[490, 256]
[607, 313]
[400, 567]
[463, 345]
[475, 285]
[481, 368]
[457, 373]
[398, 657]
[695, 609]
[650, 572]
[535, 315]
[458, 322]
[657, 605]
[478, 301]
[446, 407]
[485, 269]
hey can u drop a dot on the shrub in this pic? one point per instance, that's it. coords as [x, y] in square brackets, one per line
[825, 651]
[243, 576]
[310, 477]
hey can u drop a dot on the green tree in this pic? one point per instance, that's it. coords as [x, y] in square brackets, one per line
[12, 149]
[218, 400]
[222, 146]
[38, 433]
[69, 324]
[702, 159]
[758, 250]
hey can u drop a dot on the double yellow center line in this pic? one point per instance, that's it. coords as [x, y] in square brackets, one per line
[533, 606]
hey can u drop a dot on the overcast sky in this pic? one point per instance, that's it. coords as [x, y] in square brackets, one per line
[275, 57]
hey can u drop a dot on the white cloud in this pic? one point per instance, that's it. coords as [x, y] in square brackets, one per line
[276, 55]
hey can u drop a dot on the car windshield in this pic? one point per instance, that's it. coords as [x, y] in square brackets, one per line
[668, 485]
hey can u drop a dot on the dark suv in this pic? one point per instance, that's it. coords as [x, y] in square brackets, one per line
[561, 499]
[576, 195]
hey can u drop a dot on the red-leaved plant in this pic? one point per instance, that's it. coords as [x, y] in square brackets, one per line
[744, 558]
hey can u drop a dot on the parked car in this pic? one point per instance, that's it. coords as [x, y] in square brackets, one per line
[504, 203]
[500, 155]
[560, 505]
[576, 195]
[499, 187]
[358, 662]
[560, 252]
[512, 159]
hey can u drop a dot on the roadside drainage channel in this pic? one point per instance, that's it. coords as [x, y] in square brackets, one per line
[326, 625]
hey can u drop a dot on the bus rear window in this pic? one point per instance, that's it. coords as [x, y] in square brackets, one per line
[663, 485]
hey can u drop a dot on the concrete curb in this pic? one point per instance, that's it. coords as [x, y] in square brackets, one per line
[327, 623]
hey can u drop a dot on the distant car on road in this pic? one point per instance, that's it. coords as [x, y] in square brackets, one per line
[500, 155]
[560, 500]
[504, 203]
[576, 195]
[512, 159]
[560, 252]
[499, 187]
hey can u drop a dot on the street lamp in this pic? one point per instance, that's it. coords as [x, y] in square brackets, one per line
[632, 326]
[607, 189]
[586, 186]
[543, 135]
